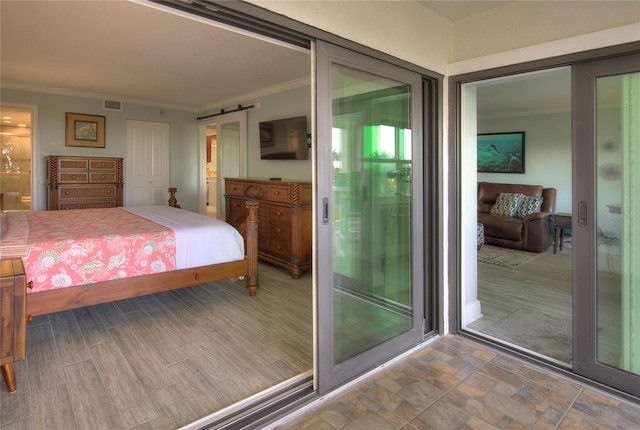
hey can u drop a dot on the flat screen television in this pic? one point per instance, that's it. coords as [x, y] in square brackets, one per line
[284, 139]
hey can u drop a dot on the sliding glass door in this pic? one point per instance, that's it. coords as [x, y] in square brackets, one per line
[607, 228]
[370, 269]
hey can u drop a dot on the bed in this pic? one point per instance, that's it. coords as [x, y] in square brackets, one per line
[85, 257]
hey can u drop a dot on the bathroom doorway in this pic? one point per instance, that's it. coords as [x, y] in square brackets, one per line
[212, 171]
[15, 158]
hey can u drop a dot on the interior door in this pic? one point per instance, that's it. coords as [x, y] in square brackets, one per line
[232, 152]
[606, 136]
[147, 163]
[369, 222]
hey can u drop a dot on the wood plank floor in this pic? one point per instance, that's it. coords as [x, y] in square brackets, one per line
[161, 361]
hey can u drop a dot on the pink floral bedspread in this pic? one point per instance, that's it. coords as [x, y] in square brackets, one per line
[66, 248]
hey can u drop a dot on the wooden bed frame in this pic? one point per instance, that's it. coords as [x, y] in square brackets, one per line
[13, 334]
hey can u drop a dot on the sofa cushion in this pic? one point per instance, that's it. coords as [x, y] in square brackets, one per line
[501, 227]
[528, 205]
[489, 191]
[506, 204]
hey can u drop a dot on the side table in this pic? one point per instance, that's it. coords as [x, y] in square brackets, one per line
[563, 222]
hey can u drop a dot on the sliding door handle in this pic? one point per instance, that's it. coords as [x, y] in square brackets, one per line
[325, 210]
[582, 214]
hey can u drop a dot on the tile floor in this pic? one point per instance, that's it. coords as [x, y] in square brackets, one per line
[455, 383]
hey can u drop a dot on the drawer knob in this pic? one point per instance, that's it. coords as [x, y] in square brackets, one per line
[73, 176]
[102, 165]
[66, 193]
[279, 248]
[278, 230]
[278, 213]
[73, 164]
[29, 318]
[102, 177]
[30, 285]
[108, 191]
[277, 193]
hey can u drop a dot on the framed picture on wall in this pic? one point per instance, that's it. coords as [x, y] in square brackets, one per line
[85, 130]
[501, 152]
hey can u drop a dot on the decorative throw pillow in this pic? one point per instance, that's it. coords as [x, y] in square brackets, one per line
[506, 204]
[528, 205]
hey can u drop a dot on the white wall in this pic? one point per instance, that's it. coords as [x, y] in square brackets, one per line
[183, 125]
[287, 104]
[528, 23]
[547, 152]
[50, 139]
[404, 29]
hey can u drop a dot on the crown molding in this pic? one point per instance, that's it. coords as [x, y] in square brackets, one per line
[232, 101]
[90, 95]
[219, 104]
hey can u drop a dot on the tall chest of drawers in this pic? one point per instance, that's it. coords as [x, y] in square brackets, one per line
[84, 182]
[284, 219]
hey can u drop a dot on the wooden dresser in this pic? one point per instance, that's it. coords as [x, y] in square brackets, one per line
[284, 219]
[84, 182]
[13, 307]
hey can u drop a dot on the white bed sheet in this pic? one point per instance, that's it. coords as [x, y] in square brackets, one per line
[200, 240]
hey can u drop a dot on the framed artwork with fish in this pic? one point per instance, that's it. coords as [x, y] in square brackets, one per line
[501, 152]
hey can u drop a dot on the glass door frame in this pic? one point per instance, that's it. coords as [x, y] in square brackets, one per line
[455, 269]
[585, 326]
[329, 375]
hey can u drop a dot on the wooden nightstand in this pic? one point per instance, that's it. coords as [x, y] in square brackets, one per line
[13, 306]
[563, 222]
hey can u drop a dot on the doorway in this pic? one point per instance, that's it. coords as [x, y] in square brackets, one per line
[223, 154]
[518, 282]
[587, 271]
[212, 171]
[15, 158]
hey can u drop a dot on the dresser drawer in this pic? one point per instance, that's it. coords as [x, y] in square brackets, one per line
[280, 249]
[86, 192]
[87, 204]
[280, 232]
[279, 193]
[73, 177]
[280, 213]
[236, 212]
[103, 164]
[234, 189]
[72, 163]
[102, 177]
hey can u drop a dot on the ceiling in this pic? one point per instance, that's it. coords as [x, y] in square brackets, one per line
[454, 10]
[156, 58]
[150, 57]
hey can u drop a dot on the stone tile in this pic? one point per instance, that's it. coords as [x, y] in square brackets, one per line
[441, 415]
[453, 383]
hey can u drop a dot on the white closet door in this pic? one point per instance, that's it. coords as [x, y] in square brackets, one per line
[147, 163]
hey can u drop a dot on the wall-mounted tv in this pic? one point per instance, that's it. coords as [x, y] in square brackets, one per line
[284, 139]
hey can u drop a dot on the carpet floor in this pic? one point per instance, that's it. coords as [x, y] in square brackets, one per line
[539, 331]
[505, 256]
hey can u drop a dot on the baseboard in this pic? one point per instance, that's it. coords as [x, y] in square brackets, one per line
[472, 312]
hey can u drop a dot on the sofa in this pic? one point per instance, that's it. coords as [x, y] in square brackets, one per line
[516, 215]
